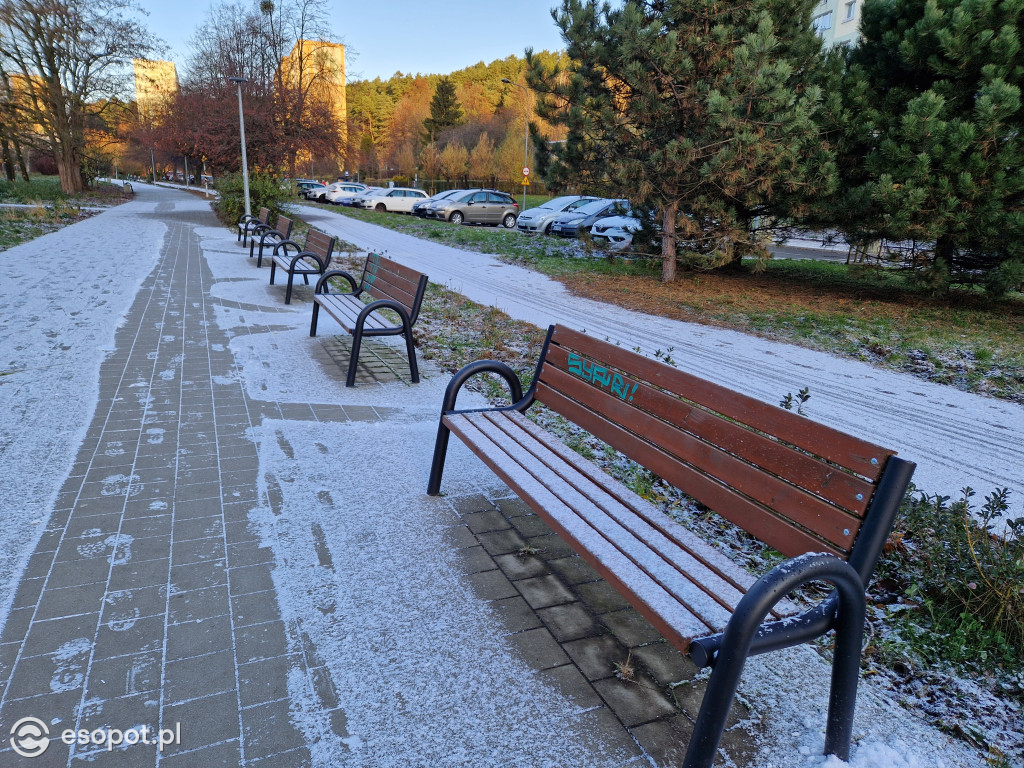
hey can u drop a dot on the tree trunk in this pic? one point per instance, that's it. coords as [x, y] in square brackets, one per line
[668, 243]
[8, 162]
[69, 167]
[20, 155]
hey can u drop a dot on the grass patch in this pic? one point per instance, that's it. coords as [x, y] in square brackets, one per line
[19, 225]
[45, 190]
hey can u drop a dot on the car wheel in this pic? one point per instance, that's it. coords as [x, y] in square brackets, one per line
[380, 207]
[509, 221]
[456, 217]
[322, 198]
[547, 229]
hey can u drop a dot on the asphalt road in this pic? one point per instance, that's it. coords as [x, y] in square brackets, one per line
[956, 438]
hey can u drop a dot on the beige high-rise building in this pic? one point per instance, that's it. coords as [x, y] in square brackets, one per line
[155, 83]
[319, 68]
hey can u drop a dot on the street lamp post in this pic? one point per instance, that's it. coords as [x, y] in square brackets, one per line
[245, 162]
[526, 138]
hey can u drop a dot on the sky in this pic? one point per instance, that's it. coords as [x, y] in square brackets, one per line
[410, 36]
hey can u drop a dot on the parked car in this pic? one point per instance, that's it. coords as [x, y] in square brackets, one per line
[400, 199]
[539, 219]
[419, 208]
[341, 189]
[356, 200]
[583, 218]
[311, 190]
[616, 232]
[478, 206]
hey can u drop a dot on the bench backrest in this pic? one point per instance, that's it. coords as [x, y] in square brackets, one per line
[264, 216]
[387, 279]
[320, 244]
[284, 227]
[796, 485]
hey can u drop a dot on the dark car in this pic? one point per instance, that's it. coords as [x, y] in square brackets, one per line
[420, 207]
[575, 222]
[478, 206]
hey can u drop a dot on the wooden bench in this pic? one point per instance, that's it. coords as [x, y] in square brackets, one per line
[281, 231]
[248, 225]
[312, 258]
[824, 499]
[391, 286]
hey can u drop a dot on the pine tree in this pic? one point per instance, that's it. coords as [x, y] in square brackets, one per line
[703, 111]
[933, 135]
[445, 110]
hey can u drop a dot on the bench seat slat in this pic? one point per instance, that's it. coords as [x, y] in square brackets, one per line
[740, 579]
[345, 308]
[668, 615]
[704, 592]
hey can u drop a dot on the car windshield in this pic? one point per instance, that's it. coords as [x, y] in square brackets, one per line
[558, 204]
[446, 195]
[467, 198]
[580, 203]
[594, 206]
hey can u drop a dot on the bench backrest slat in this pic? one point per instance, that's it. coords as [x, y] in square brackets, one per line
[320, 244]
[387, 279]
[284, 227]
[787, 480]
[264, 215]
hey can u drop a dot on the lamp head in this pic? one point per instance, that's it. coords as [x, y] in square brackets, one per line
[506, 80]
[239, 80]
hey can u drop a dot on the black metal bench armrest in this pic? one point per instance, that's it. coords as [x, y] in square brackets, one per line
[322, 285]
[303, 254]
[776, 635]
[245, 217]
[284, 244]
[270, 233]
[848, 606]
[515, 386]
[379, 304]
[451, 394]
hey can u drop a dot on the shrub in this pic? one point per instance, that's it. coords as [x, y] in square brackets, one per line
[963, 579]
[264, 192]
[1008, 276]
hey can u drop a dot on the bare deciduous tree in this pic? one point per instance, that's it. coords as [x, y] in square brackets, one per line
[65, 61]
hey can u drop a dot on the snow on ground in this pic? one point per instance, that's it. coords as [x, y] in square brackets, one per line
[63, 296]
[956, 438]
[427, 675]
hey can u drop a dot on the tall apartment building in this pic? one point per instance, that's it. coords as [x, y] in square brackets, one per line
[155, 82]
[319, 68]
[837, 21]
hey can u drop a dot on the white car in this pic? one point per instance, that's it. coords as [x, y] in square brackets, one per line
[400, 199]
[616, 231]
[539, 219]
[342, 189]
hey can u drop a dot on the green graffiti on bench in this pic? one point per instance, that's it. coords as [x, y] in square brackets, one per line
[602, 377]
[371, 269]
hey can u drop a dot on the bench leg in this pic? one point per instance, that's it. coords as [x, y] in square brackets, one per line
[353, 361]
[414, 370]
[437, 463]
[739, 635]
[252, 244]
[316, 315]
[273, 269]
[288, 290]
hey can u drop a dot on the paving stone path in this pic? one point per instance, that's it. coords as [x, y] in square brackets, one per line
[149, 606]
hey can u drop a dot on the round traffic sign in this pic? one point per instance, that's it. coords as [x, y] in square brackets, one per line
[526, 171]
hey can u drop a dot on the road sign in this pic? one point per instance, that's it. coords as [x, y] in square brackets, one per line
[526, 171]
[526, 181]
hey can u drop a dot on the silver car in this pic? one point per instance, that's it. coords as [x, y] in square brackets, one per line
[539, 219]
[477, 206]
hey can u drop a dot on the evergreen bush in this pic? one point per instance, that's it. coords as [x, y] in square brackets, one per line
[265, 191]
